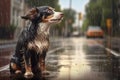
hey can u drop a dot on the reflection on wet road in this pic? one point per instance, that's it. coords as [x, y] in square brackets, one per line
[79, 59]
[78, 62]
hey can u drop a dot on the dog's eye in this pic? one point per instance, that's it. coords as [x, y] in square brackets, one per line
[49, 11]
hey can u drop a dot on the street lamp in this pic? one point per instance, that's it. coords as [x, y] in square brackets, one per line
[67, 21]
[70, 4]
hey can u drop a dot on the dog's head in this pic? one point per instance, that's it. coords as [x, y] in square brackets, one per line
[44, 14]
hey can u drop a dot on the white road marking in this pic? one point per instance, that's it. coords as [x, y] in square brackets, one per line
[56, 49]
[113, 52]
[4, 67]
[7, 66]
[109, 50]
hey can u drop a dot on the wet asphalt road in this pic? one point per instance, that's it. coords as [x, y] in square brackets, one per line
[74, 59]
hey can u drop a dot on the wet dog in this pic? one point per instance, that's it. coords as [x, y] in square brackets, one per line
[33, 42]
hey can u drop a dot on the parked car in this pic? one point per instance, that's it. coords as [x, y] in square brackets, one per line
[94, 31]
[75, 34]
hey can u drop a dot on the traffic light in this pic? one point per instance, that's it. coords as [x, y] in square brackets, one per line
[80, 16]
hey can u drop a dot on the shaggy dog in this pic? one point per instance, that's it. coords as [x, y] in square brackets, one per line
[33, 42]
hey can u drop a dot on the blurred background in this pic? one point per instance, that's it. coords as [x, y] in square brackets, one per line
[84, 46]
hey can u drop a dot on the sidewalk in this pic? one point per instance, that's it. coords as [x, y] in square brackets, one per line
[6, 50]
[115, 44]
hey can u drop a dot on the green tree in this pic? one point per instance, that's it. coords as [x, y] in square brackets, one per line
[69, 17]
[85, 24]
[52, 3]
[94, 13]
[98, 11]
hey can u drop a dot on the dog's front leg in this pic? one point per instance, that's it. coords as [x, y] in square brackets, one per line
[42, 62]
[28, 72]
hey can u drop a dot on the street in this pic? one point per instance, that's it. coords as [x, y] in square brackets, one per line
[82, 38]
[76, 58]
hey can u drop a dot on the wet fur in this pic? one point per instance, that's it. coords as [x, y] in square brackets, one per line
[29, 55]
[33, 42]
[28, 36]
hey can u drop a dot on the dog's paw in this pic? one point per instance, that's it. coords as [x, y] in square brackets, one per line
[18, 72]
[28, 75]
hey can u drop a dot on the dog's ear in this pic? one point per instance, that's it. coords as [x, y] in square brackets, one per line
[31, 14]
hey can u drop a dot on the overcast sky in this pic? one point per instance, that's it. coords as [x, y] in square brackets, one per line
[78, 5]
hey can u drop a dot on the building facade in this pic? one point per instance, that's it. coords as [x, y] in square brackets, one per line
[10, 10]
[5, 12]
[17, 9]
